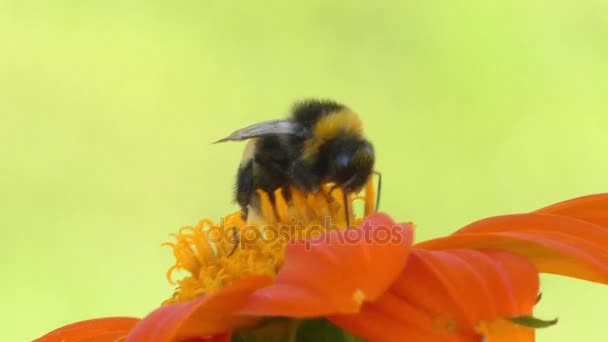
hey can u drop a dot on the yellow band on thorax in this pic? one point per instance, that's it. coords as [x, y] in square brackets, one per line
[329, 126]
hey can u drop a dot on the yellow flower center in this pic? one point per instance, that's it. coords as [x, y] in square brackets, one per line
[212, 255]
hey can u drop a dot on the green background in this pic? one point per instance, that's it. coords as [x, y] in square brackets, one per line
[108, 109]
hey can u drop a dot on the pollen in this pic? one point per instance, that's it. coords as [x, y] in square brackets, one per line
[211, 255]
[359, 297]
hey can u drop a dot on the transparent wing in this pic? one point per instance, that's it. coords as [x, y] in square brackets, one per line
[284, 126]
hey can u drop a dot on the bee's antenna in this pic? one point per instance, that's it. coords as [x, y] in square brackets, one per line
[346, 210]
[237, 241]
[378, 190]
[345, 199]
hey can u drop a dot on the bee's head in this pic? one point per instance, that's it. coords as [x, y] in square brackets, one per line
[350, 162]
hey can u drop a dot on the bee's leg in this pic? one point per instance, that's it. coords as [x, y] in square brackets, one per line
[273, 199]
[237, 241]
[243, 194]
[286, 191]
[378, 189]
[268, 183]
[244, 213]
[244, 186]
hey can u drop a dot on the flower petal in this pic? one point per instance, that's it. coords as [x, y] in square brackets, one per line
[336, 272]
[382, 321]
[208, 315]
[217, 338]
[108, 329]
[501, 330]
[445, 295]
[591, 208]
[556, 244]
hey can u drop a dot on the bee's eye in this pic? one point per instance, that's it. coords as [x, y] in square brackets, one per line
[342, 160]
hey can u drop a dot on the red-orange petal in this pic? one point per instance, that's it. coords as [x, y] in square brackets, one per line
[337, 272]
[217, 338]
[501, 330]
[591, 208]
[208, 315]
[108, 329]
[445, 295]
[377, 323]
[556, 244]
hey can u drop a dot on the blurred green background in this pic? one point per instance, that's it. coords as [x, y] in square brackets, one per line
[107, 111]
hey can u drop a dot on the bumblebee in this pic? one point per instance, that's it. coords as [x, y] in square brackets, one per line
[320, 142]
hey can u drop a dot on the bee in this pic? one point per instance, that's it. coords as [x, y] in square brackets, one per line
[321, 141]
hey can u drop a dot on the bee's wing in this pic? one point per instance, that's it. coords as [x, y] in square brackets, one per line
[284, 126]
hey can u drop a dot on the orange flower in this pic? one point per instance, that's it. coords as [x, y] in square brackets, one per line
[370, 281]
[101, 329]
